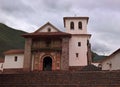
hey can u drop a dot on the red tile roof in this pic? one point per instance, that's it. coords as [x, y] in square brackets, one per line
[48, 23]
[14, 51]
[47, 34]
[1, 60]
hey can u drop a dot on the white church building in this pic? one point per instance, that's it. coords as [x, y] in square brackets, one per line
[49, 49]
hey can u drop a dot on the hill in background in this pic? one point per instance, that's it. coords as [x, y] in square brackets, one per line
[96, 58]
[10, 39]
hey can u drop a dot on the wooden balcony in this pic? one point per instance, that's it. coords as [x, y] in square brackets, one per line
[47, 49]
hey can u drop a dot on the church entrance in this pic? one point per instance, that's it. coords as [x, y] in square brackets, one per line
[47, 64]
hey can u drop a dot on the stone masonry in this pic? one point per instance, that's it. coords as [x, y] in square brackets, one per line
[27, 56]
[62, 79]
[65, 54]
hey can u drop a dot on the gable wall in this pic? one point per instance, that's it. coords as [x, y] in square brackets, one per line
[45, 29]
[114, 60]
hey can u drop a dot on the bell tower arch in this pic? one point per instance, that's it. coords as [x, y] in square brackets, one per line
[76, 25]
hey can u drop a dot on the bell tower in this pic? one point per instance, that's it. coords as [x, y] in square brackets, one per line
[79, 54]
[76, 25]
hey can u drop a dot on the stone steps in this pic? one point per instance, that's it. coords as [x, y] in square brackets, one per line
[62, 79]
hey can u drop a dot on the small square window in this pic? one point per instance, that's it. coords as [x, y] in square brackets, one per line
[15, 58]
[79, 44]
[77, 54]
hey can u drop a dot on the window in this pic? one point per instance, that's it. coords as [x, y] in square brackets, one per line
[88, 43]
[79, 44]
[77, 54]
[15, 58]
[80, 25]
[71, 25]
[49, 30]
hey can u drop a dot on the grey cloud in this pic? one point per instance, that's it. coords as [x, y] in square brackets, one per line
[99, 4]
[57, 6]
[16, 8]
[104, 16]
[105, 25]
[101, 47]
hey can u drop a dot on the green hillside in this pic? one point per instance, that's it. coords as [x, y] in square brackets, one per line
[96, 57]
[10, 39]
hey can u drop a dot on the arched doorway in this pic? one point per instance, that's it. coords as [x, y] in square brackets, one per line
[47, 64]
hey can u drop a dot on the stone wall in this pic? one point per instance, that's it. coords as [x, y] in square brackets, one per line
[65, 54]
[89, 53]
[12, 71]
[39, 56]
[27, 55]
[62, 79]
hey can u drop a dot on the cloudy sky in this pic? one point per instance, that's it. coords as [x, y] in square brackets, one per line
[104, 18]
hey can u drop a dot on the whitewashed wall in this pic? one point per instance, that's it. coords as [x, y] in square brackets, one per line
[81, 60]
[114, 61]
[45, 29]
[10, 63]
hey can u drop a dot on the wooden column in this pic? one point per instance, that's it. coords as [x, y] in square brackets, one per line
[27, 55]
[65, 54]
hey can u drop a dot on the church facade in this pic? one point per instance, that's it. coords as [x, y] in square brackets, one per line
[48, 48]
